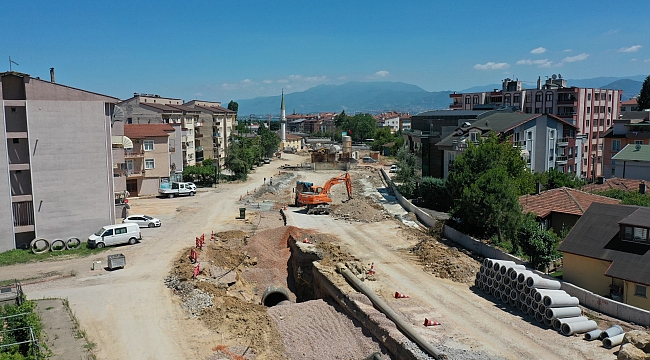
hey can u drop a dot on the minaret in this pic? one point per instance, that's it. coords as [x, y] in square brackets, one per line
[283, 121]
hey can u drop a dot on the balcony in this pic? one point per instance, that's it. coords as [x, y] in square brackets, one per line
[567, 114]
[456, 106]
[198, 135]
[134, 173]
[217, 135]
[172, 149]
[130, 154]
[561, 160]
[563, 142]
[459, 146]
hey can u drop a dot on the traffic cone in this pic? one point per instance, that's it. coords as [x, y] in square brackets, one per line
[428, 322]
[399, 295]
[372, 269]
[305, 241]
[212, 236]
[285, 207]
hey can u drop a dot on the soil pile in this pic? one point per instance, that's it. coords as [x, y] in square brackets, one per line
[359, 210]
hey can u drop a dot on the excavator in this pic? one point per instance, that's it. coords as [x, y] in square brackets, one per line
[317, 198]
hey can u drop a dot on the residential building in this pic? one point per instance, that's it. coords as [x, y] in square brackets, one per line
[546, 141]
[633, 128]
[430, 127]
[629, 105]
[559, 209]
[616, 183]
[591, 110]
[57, 161]
[632, 161]
[216, 125]
[606, 253]
[154, 109]
[149, 160]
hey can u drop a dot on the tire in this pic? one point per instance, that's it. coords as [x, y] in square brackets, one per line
[100, 245]
[151, 225]
[132, 241]
[171, 196]
[192, 193]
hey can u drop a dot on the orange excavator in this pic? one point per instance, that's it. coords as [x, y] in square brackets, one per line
[318, 199]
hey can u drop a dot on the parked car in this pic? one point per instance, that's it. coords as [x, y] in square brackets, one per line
[115, 235]
[191, 185]
[368, 160]
[267, 160]
[393, 169]
[143, 221]
[178, 189]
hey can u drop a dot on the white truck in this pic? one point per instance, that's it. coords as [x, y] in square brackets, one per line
[177, 189]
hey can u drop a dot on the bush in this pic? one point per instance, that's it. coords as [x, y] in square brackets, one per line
[538, 244]
[434, 194]
[26, 350]
[627, 197]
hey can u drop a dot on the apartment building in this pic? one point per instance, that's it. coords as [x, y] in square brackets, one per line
[154, 109]
[546, 141]
[57, 161]
[148, 161]
[217, 123]
[633, 128]
[591, 110]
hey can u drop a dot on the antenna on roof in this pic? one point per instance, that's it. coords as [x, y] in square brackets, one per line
[11, 62]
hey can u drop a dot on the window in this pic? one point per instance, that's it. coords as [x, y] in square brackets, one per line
[589, 97]
[609, 109]
[538, 110]
[468, 100]
[613, 162]
[587, 123]
[473, 135]
[548, 110]
[549, 96]
[538, 97]
[640, 290]
[147, 145]
[633, 233]
[516, 99]
[610, 97]
[602, 109]
[613, 172]
[597, 97]
[616, 145]
[16, 141]
[638, 142]
[149, 164]
[120, 231]
[527, 110]
[528, 97]
[108, 232]
[570, 169]
[129, 120]
[588, 109]
[475, 99]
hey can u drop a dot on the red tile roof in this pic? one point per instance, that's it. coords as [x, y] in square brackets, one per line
[141, 131]
[616, 183]
[562, 200]
[630, 102]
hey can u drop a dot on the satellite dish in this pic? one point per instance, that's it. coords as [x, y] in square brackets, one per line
[637, 147]
[553, 76]
[118, 114]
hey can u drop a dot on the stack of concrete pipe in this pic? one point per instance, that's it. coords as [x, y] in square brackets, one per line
[535, 296]
[610, 337]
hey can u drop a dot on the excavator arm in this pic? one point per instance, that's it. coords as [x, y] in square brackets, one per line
[342, 179]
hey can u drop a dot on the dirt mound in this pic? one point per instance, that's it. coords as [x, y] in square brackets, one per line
[332, 254]
[230, 235]
[360, 210]
[444, 260]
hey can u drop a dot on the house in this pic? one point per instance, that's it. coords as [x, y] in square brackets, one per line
[629, 105]
[148, 161]
[632, 128]
[616, 183]
[57, 161]
[608, 253]
[154, 109]
[215, 125]
[591, 110]
[632, 161]
[546, 141]
[559, 209]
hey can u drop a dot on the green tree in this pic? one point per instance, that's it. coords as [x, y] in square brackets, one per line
[408, 173]
[359, 126]
[627, 197]
[433, 194]
[233, 105]
[340, 119]
[269, 141]
[643, 99]
[539, 245]
[553, 179]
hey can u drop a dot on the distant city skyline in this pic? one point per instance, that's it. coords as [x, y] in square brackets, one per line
[224, 51]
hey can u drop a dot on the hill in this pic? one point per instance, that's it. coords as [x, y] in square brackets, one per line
[631, 88]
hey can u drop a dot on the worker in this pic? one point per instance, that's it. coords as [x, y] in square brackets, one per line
[264, 181]
[271, 181]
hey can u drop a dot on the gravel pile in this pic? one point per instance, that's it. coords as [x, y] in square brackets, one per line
[446, 262]
[196, 302]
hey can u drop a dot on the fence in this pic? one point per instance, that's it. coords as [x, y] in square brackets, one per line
[587, 298]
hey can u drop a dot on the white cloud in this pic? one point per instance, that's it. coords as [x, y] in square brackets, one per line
[646, 61]
[539, 50]
[633, 60]
[247, 81]
[491, 66]
[382, 73]
[542, 63]
[283, 81]
[315, 78]
[567, 50]
[342, 78]
[267, 82]
[612, 31]
[634, 48]
[580, 57]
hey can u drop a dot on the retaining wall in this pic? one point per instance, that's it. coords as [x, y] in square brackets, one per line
[587, 298]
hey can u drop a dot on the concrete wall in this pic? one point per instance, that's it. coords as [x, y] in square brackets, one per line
[587, 273]
[331, 166]
[71, 172]
[6, 213]
[149, 186]
[587, 298]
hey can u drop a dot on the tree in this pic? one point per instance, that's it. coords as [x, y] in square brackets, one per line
[643, 99]
[553, 179]
[383, 136]
[539, 245]
[408, 174]
[268, 140]
[359, 126]
[233, 105]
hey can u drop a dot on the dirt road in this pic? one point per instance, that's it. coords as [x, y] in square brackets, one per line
[129, 313]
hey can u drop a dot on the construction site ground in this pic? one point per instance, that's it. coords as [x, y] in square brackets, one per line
[153, 309]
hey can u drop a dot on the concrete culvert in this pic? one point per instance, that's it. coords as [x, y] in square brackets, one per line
[57, 245]
[610, 342]
[275, 295]
[39, 246]
[72, 243]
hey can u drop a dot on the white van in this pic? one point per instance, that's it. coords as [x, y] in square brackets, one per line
[115, 235]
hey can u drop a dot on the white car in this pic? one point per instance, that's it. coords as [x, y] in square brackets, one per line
[393, 169]
[143, 221]
[192, 186]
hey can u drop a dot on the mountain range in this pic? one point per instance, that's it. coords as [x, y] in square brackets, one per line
[376, 97]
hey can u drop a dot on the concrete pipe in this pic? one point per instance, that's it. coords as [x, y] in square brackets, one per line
[523, 275]
[273, 295]
[511, 268]
[578, 327]
[499, 263]
[502, 288]
[610, 342]
[498, 277]
[539, 317]
[477, 283]
[57, 245]
[548, 322]
[593, 335]
[520, 287]
[557, 323]
[512, 302]
[529, 300]
[541, 308]
[506, 281]
[486, 263]
[563, 312]
[519, 305]
[514, 294]
[540, 293]
[522, 297]
[539, 282]
[525, 288]
[504, 297]
[524, 308]
[39, 246]
[531, 312]
[612, 331]
[481, 270]
[489, 282]
[392, 315]
[560, 301]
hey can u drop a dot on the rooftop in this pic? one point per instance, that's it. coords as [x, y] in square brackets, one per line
[616, 183]
[633, 152]
[141, 131]
[562, 200]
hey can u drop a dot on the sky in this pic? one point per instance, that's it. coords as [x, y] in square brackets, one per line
[240, 49]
